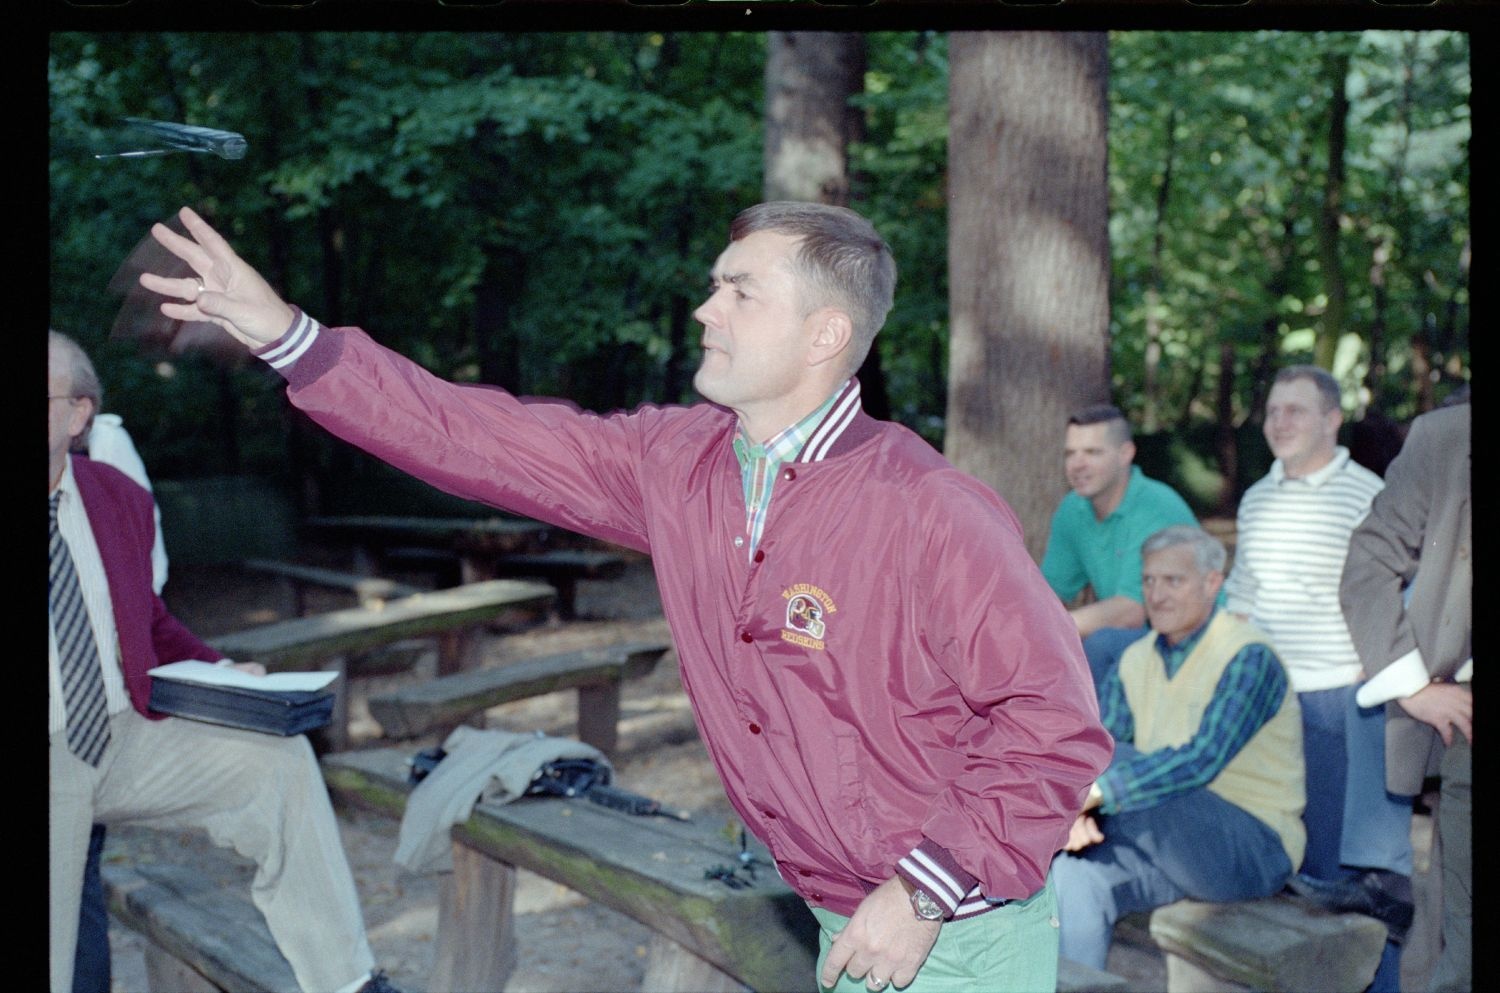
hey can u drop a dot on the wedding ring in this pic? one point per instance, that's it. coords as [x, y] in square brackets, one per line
[201, 287]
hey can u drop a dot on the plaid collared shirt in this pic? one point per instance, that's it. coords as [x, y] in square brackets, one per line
[1248, 695]
[806, 441]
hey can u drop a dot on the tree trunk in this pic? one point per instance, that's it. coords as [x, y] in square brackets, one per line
[495, 339]
[1152, 390]
[811, 120]
[1028, 255]
[1226, 441]
[1330, 256]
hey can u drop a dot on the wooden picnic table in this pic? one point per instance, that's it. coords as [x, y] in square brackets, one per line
[475, 540]
[328, 641]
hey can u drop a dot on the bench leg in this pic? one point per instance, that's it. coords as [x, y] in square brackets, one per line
[165, 973]
[476, 947]
[671, 968]
[599, 716]
[1188, 977]
[458, 651]
[567, 598]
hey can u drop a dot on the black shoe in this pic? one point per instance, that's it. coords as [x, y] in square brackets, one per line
[378, 983]
[1383, 895]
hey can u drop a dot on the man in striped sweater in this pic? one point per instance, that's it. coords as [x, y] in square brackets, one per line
[1293, 534]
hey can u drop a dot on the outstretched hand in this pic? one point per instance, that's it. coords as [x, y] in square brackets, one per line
[226, 290]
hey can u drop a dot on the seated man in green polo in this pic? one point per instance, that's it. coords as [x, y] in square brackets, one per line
[1097, 531]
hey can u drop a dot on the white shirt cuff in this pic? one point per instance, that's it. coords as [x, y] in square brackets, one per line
[1400, 679]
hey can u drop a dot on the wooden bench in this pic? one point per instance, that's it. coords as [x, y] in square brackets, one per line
[596, 673]
[328, 641]
[442, 566]
[202, 936]
[709, 938]
[563, 568]
[1277, 945]
[367, 589]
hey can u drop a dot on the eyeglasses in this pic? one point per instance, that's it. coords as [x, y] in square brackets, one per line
[61, 396]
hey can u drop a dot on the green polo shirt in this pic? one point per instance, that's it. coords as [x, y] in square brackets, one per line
[1083, 551]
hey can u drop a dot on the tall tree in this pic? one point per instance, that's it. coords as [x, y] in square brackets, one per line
[1331, 218]
[1028, 256]
[812, 79]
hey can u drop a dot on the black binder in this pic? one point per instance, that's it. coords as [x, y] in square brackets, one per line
[283, 712]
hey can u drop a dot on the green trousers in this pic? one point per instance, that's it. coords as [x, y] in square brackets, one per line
[1012, 949]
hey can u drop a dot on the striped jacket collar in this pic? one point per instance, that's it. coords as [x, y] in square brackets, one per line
[844, 427]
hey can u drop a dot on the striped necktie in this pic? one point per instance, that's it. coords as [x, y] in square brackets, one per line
[82, 678]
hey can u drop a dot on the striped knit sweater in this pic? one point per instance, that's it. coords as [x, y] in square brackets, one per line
[1293, 535]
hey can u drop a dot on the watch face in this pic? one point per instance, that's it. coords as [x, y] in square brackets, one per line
[926, 907]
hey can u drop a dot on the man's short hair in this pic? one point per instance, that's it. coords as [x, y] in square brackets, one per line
[841, 261]
[1328, 387]
[83, 381]
[1103, 413]
[1208, 551]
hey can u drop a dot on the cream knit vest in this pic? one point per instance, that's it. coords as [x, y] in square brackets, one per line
[1266, 777]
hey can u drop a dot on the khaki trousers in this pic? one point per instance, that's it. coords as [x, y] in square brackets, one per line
[260, 794]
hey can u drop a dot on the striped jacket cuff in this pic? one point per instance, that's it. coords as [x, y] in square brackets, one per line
[285, 353]
[930, 868]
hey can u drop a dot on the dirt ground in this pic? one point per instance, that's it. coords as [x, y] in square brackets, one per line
[568, 945]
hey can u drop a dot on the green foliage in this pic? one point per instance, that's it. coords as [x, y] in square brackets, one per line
[1238, 255]
[540, 210]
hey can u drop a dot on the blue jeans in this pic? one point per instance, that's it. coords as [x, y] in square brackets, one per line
[1104, 647]
[1195, 845]
[1352, 822]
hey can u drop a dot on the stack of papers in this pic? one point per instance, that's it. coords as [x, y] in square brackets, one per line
[282, 703]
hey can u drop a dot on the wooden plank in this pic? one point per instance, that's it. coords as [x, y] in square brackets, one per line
[191, 916]
[1276, 944]
[495, 534]
[654, 871]
[563, 568]
[669, 966]
[651, 869]
[451, 699]
[306, 640]
[476, 942]
[568, 563]
[366, 588]
[1075, 977]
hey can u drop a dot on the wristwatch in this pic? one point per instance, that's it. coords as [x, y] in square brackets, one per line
[925, 907]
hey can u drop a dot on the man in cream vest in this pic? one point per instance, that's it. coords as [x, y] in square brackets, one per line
[1204, 796]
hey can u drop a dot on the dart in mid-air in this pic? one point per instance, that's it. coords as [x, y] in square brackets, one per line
[183, 138]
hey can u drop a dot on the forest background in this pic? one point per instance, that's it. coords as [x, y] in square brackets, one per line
[540, 210]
